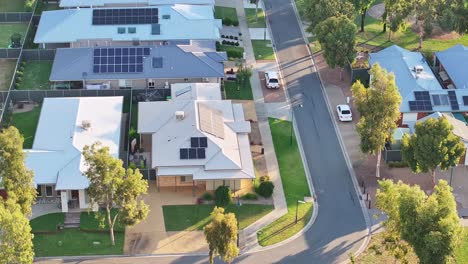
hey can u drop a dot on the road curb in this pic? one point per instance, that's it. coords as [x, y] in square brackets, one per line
[340, 140]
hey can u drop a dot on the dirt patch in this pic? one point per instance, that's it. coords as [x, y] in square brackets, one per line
[271, 95]
[24, 107]
[6, 73]
[437, 33]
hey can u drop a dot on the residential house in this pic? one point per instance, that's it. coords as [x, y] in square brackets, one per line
[421, 92]
[65, 126]
[452, 67]
[129, 3]
[196, 139]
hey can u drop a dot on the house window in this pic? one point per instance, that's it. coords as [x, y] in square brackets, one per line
[132, 30]
[39, 190]
[185, 178]
[49, 191]
[58, 193]
[121, 30]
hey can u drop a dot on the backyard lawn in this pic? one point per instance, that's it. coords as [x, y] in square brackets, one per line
[195, 217]
[251, 19]
[244, 92]
[11, 6]
[295, 186]
[73, 242]
[222, 12]
[7, 68]
[26, 123]
[263, 50]
[36, 75]
[8, 29]
[232, 51]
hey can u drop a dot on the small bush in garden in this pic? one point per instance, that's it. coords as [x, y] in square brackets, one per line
[19, 79]
[223, 196]
[240, 34]
[231, 37]
[225, 42]
[223, 36]
[132, 165]
[23, 63]
[236, 44]
[207, 196]
[265, 189]
[19, 73]
[250, 196]
[235, 23]
[227, 21]
[397, 164]
[236, 38]
[234, 54]
[264, 178]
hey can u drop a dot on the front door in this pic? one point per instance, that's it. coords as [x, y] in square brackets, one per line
[74, 195]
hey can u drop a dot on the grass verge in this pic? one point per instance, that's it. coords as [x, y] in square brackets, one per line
[8, 29]
[26, 123]
[222, 12]
[195, 217]
[295, 186]
[36, 75]
[244, 92]
[232, 51]
[252, 20]
[263, 50]
[47, 223]
[88, 222]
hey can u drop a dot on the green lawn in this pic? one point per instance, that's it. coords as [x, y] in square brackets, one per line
[195, 217]
[88, 222]
[232, 51]
[73, 242]
[134, 120]
[36, 75]
[7, 68]
[251, 18]
[407, 38]
[263, 50]
[461, 254]
[244, 92]
[11, 6]
[27, 123]
[226, 12]
[8, 29]
[47, 223]
[41, 6]
[295, 186]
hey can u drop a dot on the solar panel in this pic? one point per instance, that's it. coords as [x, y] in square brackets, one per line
[183, 153]
[124, 16]
[465, 100]
[421, 95]
[194, 142]
[192, 153]
[203, 142]
[118, 60]
[201, 153]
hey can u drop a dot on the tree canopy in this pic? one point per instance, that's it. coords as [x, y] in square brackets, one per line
[16, 178]
[395, 13]
[316, 11]
[430, 225]
[15, 234]
[379, 107]
[337, 38]
[432, 145]
[362, 6]
[111, 185]
[221, 234]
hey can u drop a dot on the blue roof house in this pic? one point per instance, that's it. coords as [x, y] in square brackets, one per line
[420, 89]
[452, 65]
[121, 3]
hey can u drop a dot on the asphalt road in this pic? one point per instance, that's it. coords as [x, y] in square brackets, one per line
[340, 226]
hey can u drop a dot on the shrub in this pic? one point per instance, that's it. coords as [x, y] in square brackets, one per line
[227, 21]
[218, 45]
[265, 189]
[231, 37]
[28, 5]
[19, 79]
[23, 63]
[225, 42]
[397, 164]
[142, 164]
[132, 166]
[207, 196]
[223, 36]
[235, 23]
[234, 54]
[132, 133]
[240, 34]
[222, 196]
[19, 73]
[236, 44]
[236, 38]
[250, 196]
[264, 178]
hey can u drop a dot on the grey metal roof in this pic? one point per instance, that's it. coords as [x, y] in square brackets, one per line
[70, 64]
[455, 62]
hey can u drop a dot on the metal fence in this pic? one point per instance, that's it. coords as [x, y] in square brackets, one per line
[10, 53]
[392, 155]
[148, 174]
[38, 54]
[9, 17]
[360, 74]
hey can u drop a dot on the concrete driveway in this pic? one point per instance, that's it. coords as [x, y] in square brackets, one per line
[150, 236]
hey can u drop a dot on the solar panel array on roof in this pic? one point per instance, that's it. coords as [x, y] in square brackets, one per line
[453, 100]
[198, 142]
[119, 60]
[422, 102]
[125, 16]
[192, 153]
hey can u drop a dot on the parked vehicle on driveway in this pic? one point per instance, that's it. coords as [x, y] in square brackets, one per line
[344, 113]
[272, 81]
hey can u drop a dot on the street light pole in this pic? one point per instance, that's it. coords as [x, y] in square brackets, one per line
[297, 207]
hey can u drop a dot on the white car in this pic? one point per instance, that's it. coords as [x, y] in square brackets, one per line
[272, 80]
[344, 113]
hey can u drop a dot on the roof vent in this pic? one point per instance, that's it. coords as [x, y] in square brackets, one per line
[418, 69]
[86, 124]
[180, 115]
[166, 16]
